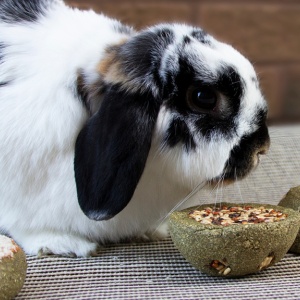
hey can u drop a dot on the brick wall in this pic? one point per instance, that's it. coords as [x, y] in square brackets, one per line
[266, 31]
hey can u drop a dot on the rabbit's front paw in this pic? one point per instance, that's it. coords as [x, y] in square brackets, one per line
[48, 243]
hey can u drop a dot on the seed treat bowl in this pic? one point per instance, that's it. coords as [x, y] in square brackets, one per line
[234, 239]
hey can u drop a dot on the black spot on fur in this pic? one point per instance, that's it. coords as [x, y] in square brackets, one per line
[14, 11]
[200, 35]
[178, 132]
[186, 40]
[261, 117]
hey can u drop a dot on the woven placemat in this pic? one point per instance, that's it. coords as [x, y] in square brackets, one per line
[156, 270]
[151, 271]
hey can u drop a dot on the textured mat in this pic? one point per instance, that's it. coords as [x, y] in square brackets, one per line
[151, 271]
[157, 271]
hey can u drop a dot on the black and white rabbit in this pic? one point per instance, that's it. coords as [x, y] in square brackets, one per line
[104, 129]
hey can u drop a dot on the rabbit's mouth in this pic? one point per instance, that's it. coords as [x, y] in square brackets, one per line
[245, 157]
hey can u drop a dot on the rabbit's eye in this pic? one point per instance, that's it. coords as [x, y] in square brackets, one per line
[203, 98]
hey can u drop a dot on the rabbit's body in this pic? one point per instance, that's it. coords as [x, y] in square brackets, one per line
[57, 67]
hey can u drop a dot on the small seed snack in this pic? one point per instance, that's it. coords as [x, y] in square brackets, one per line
[234, 240]
[235, 215]
[13, 268]
[292, 200]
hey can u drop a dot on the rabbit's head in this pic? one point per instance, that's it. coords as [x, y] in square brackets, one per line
[174, 88]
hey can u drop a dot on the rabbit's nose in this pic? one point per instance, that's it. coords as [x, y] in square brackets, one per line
[264, 148]
[262, 151]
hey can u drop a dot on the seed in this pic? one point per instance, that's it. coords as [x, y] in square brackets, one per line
[233, 209]
[215, 264]
[234, 215]
[220, 267]
[266, 262]
[226, 271]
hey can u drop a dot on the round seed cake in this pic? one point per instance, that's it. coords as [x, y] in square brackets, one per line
[13, 268]
[292, 200]
[234, 240]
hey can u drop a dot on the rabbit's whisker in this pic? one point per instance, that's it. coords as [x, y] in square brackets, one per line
[180, 203]
[237, 185]
[219, 187]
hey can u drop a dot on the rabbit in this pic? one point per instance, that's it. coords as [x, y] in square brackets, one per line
[104, 129]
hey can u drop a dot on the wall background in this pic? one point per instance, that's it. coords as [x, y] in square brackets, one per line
[266, 31]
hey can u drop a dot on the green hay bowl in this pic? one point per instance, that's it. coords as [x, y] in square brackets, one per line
[292, 200]
[233, 250]
[13, 267]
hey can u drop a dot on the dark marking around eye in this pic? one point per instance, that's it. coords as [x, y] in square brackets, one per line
[178, 132]
[230, 84]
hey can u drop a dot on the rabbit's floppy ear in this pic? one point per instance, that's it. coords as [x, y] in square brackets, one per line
[111, 151]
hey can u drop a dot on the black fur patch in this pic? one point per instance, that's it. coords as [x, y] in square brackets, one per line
[200, 35]
[141, 56]
[239, 163]
[178, 132]
[231, 85]
[14, 11]
[186, 40]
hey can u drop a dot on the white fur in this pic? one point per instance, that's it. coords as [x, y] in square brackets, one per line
[41, 118]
